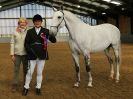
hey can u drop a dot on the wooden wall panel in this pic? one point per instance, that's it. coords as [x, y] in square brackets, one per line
[125, 24]
[111, 21]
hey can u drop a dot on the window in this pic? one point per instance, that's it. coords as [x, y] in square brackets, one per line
[9, 18]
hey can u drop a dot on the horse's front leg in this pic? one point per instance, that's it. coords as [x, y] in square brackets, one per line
[77, 68]
[88, 69]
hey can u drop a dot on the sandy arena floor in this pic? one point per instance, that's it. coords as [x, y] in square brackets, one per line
[59, 73]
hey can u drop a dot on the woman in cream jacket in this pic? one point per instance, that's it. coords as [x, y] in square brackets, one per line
[17, 52]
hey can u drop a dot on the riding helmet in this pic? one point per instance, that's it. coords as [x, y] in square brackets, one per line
[37, 17]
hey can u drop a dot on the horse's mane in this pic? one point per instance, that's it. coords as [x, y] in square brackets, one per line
[71, 16]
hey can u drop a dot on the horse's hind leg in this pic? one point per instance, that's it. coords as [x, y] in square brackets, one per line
[77, 68]
[88, 69]
[110, 61]
[117, 51]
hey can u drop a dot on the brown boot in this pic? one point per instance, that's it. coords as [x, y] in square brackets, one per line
[14, 88]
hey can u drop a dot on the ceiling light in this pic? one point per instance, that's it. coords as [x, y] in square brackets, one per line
[85, 1]
[113, 2]
[103, 13]
[0, 6]
[78, 6]
[123, 9]
[116, 2]
[107, 0]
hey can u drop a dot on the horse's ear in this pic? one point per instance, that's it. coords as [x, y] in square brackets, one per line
[54, 9]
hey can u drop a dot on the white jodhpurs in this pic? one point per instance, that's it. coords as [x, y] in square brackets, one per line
[40, 65]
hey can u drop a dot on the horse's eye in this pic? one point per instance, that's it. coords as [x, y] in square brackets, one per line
[59, 17]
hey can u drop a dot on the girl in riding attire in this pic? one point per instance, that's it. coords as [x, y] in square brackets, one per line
[36, 48]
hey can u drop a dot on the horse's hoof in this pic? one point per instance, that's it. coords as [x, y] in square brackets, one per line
[116, 81]
[111, 78]
[76, 85]
[90, 85]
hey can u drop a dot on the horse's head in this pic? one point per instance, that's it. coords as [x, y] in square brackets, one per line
[57, 21]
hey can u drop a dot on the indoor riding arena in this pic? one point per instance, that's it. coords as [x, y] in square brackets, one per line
[59, 73]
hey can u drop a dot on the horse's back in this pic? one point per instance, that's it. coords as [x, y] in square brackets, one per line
[111, 30]
[101, 36]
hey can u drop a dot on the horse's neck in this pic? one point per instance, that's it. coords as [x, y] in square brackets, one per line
[72, 23]
[72, 18]
[69, 28]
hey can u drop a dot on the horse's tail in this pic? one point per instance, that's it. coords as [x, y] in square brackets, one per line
[120, 52]
[117, 46]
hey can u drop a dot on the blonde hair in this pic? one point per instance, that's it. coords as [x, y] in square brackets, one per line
[22, 19]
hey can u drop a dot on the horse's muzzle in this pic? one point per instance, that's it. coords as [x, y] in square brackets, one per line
[53, 30]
